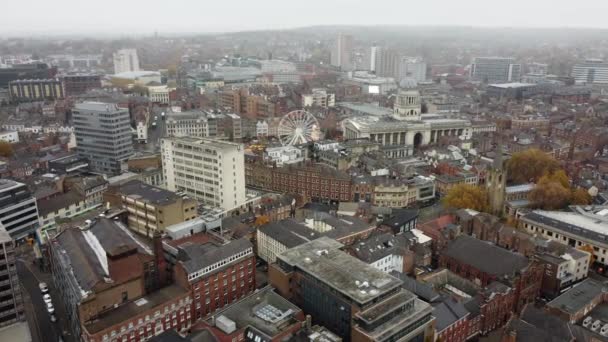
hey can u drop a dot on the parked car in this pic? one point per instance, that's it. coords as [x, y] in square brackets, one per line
[43, 288]
[50, 308]
[53, 318]
[596, 325]
[47, 298]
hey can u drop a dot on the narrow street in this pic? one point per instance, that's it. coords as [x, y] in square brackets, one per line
[39, 319]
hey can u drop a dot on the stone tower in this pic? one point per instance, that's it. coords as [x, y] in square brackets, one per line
[407, 103]
[496, 179]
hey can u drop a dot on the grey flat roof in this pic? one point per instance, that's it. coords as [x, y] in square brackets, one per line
[485, 256]
[572, 223]
[199, 256]
[243, 312]
[139, 190]
[289, 232]
[323, 259]
[579, 296]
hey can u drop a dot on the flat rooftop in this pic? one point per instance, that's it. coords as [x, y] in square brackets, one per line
[512, 85]
[147, 193]
[590, 226]
[218, 144]
[134, 308]
[323, 259]
[579, 296]
[263, 310]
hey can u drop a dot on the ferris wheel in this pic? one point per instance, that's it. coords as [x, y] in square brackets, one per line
[298, 127]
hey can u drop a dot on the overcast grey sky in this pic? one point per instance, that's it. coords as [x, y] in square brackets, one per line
[139, 16]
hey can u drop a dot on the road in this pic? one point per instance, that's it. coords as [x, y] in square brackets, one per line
[43, 328]
[154, 133]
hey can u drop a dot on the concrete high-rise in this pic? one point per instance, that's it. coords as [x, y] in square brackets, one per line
[18, 209]
[373, 52]
[387, 62]
[11, 306]
[103, 135]
[495, 70]
[591, 71]
[341, 53]
[412, 67]
[211, 171]
[125, 60]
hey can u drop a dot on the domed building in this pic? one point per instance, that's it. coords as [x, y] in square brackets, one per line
[406, 128]
[407, 103]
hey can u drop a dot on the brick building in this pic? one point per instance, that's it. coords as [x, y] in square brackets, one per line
[261, 316]
[309, 182]
[113, 285]
[484, 263]
[215, 271]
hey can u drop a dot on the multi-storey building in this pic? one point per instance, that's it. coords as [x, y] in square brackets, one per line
[316, 182]
[208, 170]
[276, 237]
[103, 135]
[349, 297]
[262, 316]
[341, 53]
[403, 192]
[159, 94]
[581, 226]
[151, 209]
[484, 263]
[319, 97]
[36, 90]
[592, 71]
[18, 210]
[11, 302]
[412, 67]
[125, 60]
[495, 69]
[113, 284]
[25, 71]
[216, 272]
[191, 123]
[76, 84]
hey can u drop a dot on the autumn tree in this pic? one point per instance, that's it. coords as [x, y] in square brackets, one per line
[530, 165]
[465, 196]
[580, 196]
[551, 192]
[6, 149]
[589, 249]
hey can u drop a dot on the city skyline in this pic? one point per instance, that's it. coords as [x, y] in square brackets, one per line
[127, 18]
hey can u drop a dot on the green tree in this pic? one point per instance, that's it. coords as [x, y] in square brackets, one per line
[465, 196]
[530, 165]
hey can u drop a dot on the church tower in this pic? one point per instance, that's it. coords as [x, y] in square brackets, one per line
[407, 103]
[496, 180]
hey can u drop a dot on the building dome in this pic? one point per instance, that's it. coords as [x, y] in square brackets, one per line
[408, 83]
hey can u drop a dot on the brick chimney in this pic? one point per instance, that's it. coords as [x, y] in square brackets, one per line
[160, 261]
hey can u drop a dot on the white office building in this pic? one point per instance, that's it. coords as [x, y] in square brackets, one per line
[103, 135]
[592, 71]
[125, 60]
[495, 70]
[412, 67]
[212, 171]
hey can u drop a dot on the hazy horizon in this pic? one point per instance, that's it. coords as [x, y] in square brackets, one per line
[135, 18]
